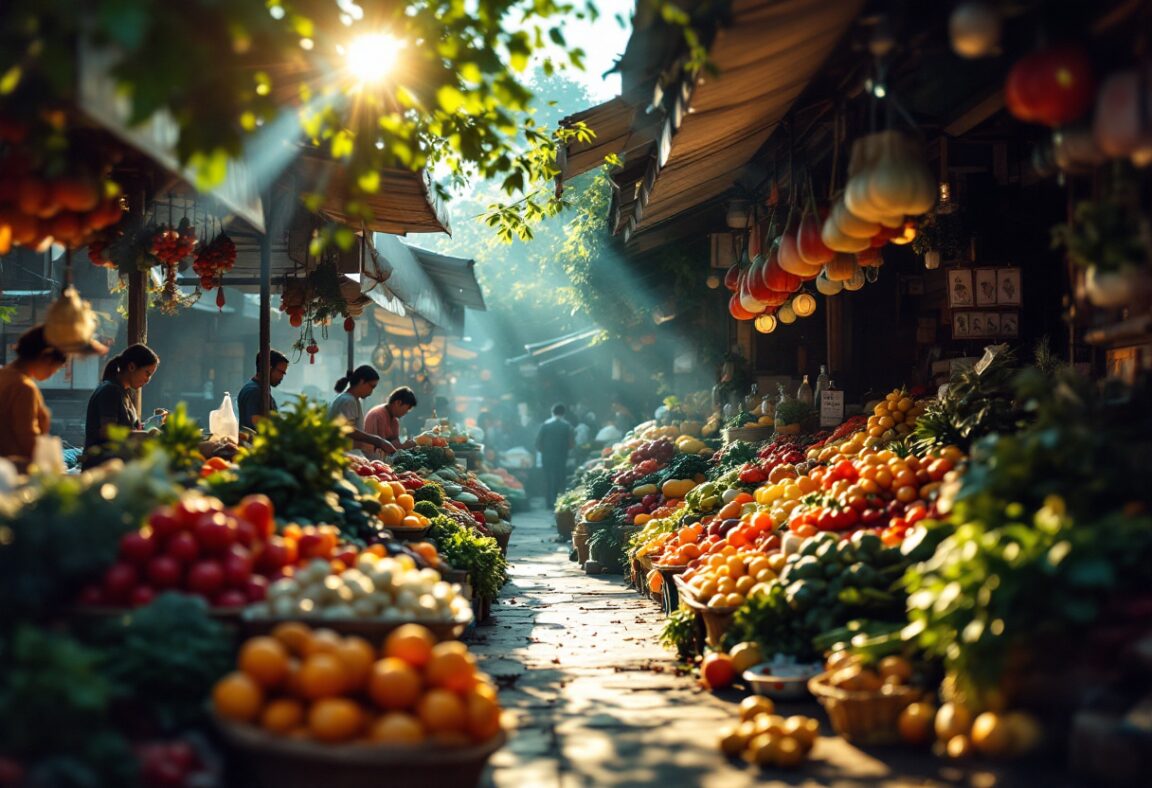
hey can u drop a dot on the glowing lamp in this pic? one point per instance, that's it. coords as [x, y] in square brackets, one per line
[785, 314]
[765, 324]
[804, 304]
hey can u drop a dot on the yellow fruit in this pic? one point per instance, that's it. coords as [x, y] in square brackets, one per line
[804, 730]
[762, 750]
[770, 723]
[952, 720]
[916, 722]
[959, 747]
[755, 705]
[991, 735]
[732, 743]
[897, 668]
[789, 753]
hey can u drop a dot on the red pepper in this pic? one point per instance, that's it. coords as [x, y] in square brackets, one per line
[753, 475]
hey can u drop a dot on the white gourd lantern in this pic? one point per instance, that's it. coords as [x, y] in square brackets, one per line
[804, 304]
[765, 324]
[785, 315]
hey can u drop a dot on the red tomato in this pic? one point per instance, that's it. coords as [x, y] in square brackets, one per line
[188, 510]
[206, 577]
[164, 522]
[258, 510]
[119, 581]
[274, 554]
[137, 547]
[164, 571]
[183, 547]
[311, 545]
[237, 566]
[256, 589]
[215, 532]
[1052, 86]
[142, 595]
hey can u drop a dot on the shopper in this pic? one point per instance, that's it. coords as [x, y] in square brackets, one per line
[113, 403]
[553, 442]
[248, 400]
[360, 383]
[384, 420]
[23, 415]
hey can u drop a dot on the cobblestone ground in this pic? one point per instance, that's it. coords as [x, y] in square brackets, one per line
[598, 702]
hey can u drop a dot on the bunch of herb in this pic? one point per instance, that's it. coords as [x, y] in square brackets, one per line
[679, 633]
[480, 556]
[732, 456]
[165, 657]
[597, 485]
[570, 501]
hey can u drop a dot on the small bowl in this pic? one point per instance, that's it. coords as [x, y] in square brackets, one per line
[782, 682]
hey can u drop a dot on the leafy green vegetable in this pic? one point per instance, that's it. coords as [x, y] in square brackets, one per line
[463, 548]
[166, 656]
[426, 508]
[431, 491]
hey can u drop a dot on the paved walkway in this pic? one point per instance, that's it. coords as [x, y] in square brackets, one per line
[598, 702]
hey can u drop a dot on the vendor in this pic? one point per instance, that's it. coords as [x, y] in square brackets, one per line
[113, 403]
[23, 414]
[384, 420]
[248, 400]
[360, 383]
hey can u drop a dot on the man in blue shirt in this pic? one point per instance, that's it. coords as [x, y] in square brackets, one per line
[248, 400]
[553, 441]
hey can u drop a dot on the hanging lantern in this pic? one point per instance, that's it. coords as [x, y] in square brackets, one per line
[856, 282]
[804, 304]
[932, 259]
[765, 323]
[785, 315]
[907, 235]
[975, 30]
[829, 287]
[712, 281]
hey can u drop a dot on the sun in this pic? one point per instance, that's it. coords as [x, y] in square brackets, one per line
[372, 56]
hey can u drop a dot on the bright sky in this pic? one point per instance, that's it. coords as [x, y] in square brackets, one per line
[603, 42]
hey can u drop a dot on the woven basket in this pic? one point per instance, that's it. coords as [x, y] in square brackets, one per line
[405, 534]
[580, 542]
[279, 762]
[565, 523]
[867, 718]
[717, 620]
[373, 630]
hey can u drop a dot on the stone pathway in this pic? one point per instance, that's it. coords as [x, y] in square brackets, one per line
[598, 702]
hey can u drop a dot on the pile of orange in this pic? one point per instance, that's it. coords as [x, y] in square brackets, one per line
[398, 509]
[314, 684]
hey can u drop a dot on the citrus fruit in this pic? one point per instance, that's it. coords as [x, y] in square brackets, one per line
[732, 742]
[321, 676]
[991, 735]
[483, 717]
[282, 715]
[358, 656]
[716, 671]
[755, 705]
[959, 746]
[451, 667]
[916, 723]
[789, 752]
[237, 697]
[265, 660]
[804, 730]
[745, 655]
[896, 668]
[294, 636]
[324, 641]
[394, 684]
[412, 643]
[952, 720]
[335, 719]
[396, 727]
[442, 711]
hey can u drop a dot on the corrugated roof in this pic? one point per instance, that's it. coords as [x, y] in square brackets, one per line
[455, 276]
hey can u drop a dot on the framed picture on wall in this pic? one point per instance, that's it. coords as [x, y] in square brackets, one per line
[992, 324]
[1010, 324]
[1008, 290]
[976, 324]
[960, 288]
[985, 286]
[960, 326]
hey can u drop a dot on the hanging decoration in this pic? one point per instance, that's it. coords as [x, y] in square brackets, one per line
[974, 29]
[803, 304]
[70, 322]
[765, 323]
[212, 261]
[785, 315]
[1053, 86]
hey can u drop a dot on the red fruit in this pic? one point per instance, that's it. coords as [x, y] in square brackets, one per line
[92, 596]
[137, 547]
[165, 522]
[258, 510]
[349, 325]
[296, 321]
[142, 595]
[245, 533]
[364, 470]
[206, 578]
[215, 532]
[273, 555]
[311, 545]
[119, 581]
[347, 556]
[230, 598]
[1052, 86]
[809, 242]
[256, 589]
[183, 547]
[189, 509]
[164, 571]
[237, 566]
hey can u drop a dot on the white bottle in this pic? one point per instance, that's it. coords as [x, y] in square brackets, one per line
[822, 384]
[804, 393]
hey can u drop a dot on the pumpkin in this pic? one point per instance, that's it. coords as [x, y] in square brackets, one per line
[835, 239]
[776, 278]
[856, 282]
[826, 286]
[732, 278]
[900, 181]
[974, 29]
[1123, 122]
[1052, 86]
[737, 311]
[852, 225]
[841, 268]
[809, 243]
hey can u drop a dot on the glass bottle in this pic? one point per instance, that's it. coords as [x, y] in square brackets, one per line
[804, 393]
[822, 383]
[752, 401]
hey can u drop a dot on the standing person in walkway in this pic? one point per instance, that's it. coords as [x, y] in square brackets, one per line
[23, 415]
[113, 403]
[248, 400]
[553, 442]
[360, 383]
[384, 420]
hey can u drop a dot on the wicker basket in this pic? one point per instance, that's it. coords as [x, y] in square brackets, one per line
[565, 523]
[405, 534]
[279, 762]
[717, 620]
[372, 630]
[866, 718]
[580, 542]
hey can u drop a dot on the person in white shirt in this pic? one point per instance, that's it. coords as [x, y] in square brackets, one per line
[360, 383]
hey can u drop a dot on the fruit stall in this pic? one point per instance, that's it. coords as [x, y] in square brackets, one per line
[246, 620]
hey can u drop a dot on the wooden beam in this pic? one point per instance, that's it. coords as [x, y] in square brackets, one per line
[976, 113]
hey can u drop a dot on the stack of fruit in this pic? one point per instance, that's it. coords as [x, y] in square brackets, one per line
[764, 738]
[313, 684]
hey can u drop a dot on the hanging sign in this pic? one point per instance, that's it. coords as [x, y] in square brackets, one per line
[831, 408]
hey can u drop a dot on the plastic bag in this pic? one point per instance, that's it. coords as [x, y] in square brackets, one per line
[222, 422]
[48, 455]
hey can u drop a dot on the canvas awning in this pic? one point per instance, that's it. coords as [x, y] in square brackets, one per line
[436, 287]
[619, 125]
[455, 276]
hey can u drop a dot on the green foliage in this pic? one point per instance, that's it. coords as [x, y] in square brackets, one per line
[570, 501]
[426, 508]
[732, 456]
[1110, 232]
[54, 712]
[431, 491]
[166, 657]
[679, 632]
[598, 483]
[606, 549]
[464, 548]
[63, 531]
[431, 458]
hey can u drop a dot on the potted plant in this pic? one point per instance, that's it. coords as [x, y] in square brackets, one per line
[565, 508]
[1112, 240]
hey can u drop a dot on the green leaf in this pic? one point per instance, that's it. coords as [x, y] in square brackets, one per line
[209, 169]
[369, 181]
[450, 99]
[10, 80]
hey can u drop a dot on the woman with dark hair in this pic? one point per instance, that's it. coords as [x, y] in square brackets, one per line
[112, 403]
[23, 414]
[384, 420]
[360, 383]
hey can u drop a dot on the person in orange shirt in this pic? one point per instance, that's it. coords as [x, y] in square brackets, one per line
[384, 420]
[23, 414]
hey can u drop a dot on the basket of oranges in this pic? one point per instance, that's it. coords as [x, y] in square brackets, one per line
[717, 617]
[864, 703]
[308, 707]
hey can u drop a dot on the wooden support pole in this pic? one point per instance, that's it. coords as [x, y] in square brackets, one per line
[265, 372]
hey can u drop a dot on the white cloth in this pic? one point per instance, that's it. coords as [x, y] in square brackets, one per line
[350, 408]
